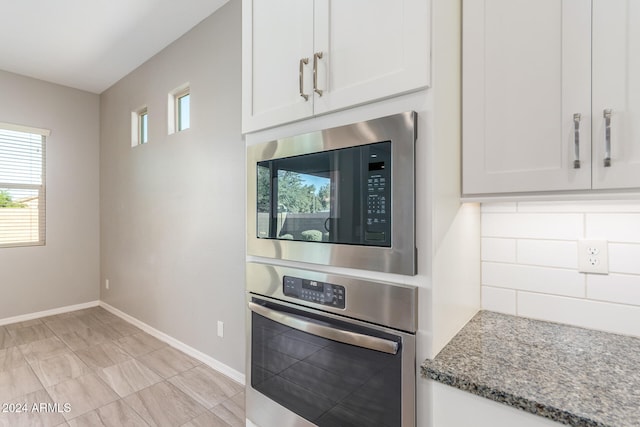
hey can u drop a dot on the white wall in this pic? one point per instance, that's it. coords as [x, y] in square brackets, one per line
[172, 211]
[66, 270]
[529, 263]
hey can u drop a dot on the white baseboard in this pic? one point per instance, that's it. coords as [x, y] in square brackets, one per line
[52, 312]
[196, 354]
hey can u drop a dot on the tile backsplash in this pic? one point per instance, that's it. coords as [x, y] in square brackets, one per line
[530, 263]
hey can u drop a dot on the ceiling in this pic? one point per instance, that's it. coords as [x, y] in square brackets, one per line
[91, 44]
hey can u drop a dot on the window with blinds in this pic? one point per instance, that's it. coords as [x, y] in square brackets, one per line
[22, 185]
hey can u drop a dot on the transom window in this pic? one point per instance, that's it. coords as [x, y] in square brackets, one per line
[179, 109]
[139, 127]
[183, 107]
[143, 126]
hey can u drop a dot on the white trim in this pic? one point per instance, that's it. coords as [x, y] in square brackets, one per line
[52, 312]
[26, 129]
[555, 196]
[204, 358]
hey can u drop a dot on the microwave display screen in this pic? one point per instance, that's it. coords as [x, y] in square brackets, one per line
[339, 196]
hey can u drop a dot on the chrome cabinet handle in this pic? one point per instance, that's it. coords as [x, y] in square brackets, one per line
[328, 332]
[315, 73]
[303, 62]
[607, 137]
[576, 140]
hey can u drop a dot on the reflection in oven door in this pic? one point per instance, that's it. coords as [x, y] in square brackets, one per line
[327, 382]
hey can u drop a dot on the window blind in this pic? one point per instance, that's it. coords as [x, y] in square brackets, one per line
[22, 185]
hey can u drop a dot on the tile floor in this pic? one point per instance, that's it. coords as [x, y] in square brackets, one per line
[91, 368]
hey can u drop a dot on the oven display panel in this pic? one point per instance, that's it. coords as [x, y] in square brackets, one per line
[314, 291]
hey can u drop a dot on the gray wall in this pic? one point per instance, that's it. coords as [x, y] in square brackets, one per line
[172, 211]
[66, 270]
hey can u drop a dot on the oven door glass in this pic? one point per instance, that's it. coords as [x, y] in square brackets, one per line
[337, 196]
[328, 383]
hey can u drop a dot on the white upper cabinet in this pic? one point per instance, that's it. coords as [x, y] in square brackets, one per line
[616, 87]
[373, 48]
[277, 50]
[546, 83]
[307, 57]
[526, 76]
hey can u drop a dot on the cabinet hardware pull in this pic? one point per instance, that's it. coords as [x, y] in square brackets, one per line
[315, 73]
[576, 141]
[607, 137]
[326, 331]
[303, 62]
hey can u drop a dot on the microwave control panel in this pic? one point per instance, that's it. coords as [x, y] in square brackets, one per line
[378, 199]
[314, 291]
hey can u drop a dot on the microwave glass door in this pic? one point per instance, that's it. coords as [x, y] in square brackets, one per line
[336, 196]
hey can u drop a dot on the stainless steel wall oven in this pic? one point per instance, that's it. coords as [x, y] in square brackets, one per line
[342, 196]
[329, 350]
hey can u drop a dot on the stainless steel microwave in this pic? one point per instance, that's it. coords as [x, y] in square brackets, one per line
[343, 196]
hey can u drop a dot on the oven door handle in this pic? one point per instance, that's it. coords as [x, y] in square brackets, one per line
[340, 335]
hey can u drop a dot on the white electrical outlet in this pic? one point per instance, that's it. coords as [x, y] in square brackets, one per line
[220, 329]
[106, 284]
[593, 256]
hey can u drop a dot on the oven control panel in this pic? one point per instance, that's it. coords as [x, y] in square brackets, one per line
[314, 291]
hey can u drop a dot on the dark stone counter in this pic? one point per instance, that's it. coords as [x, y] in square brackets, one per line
[571, 375]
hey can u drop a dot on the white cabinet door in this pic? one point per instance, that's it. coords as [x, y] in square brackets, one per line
[456, 408]
[526, 74]
[616, 87]
[277, 35]
[370, 49]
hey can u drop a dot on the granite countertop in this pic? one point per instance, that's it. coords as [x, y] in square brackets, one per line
[571, 375]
